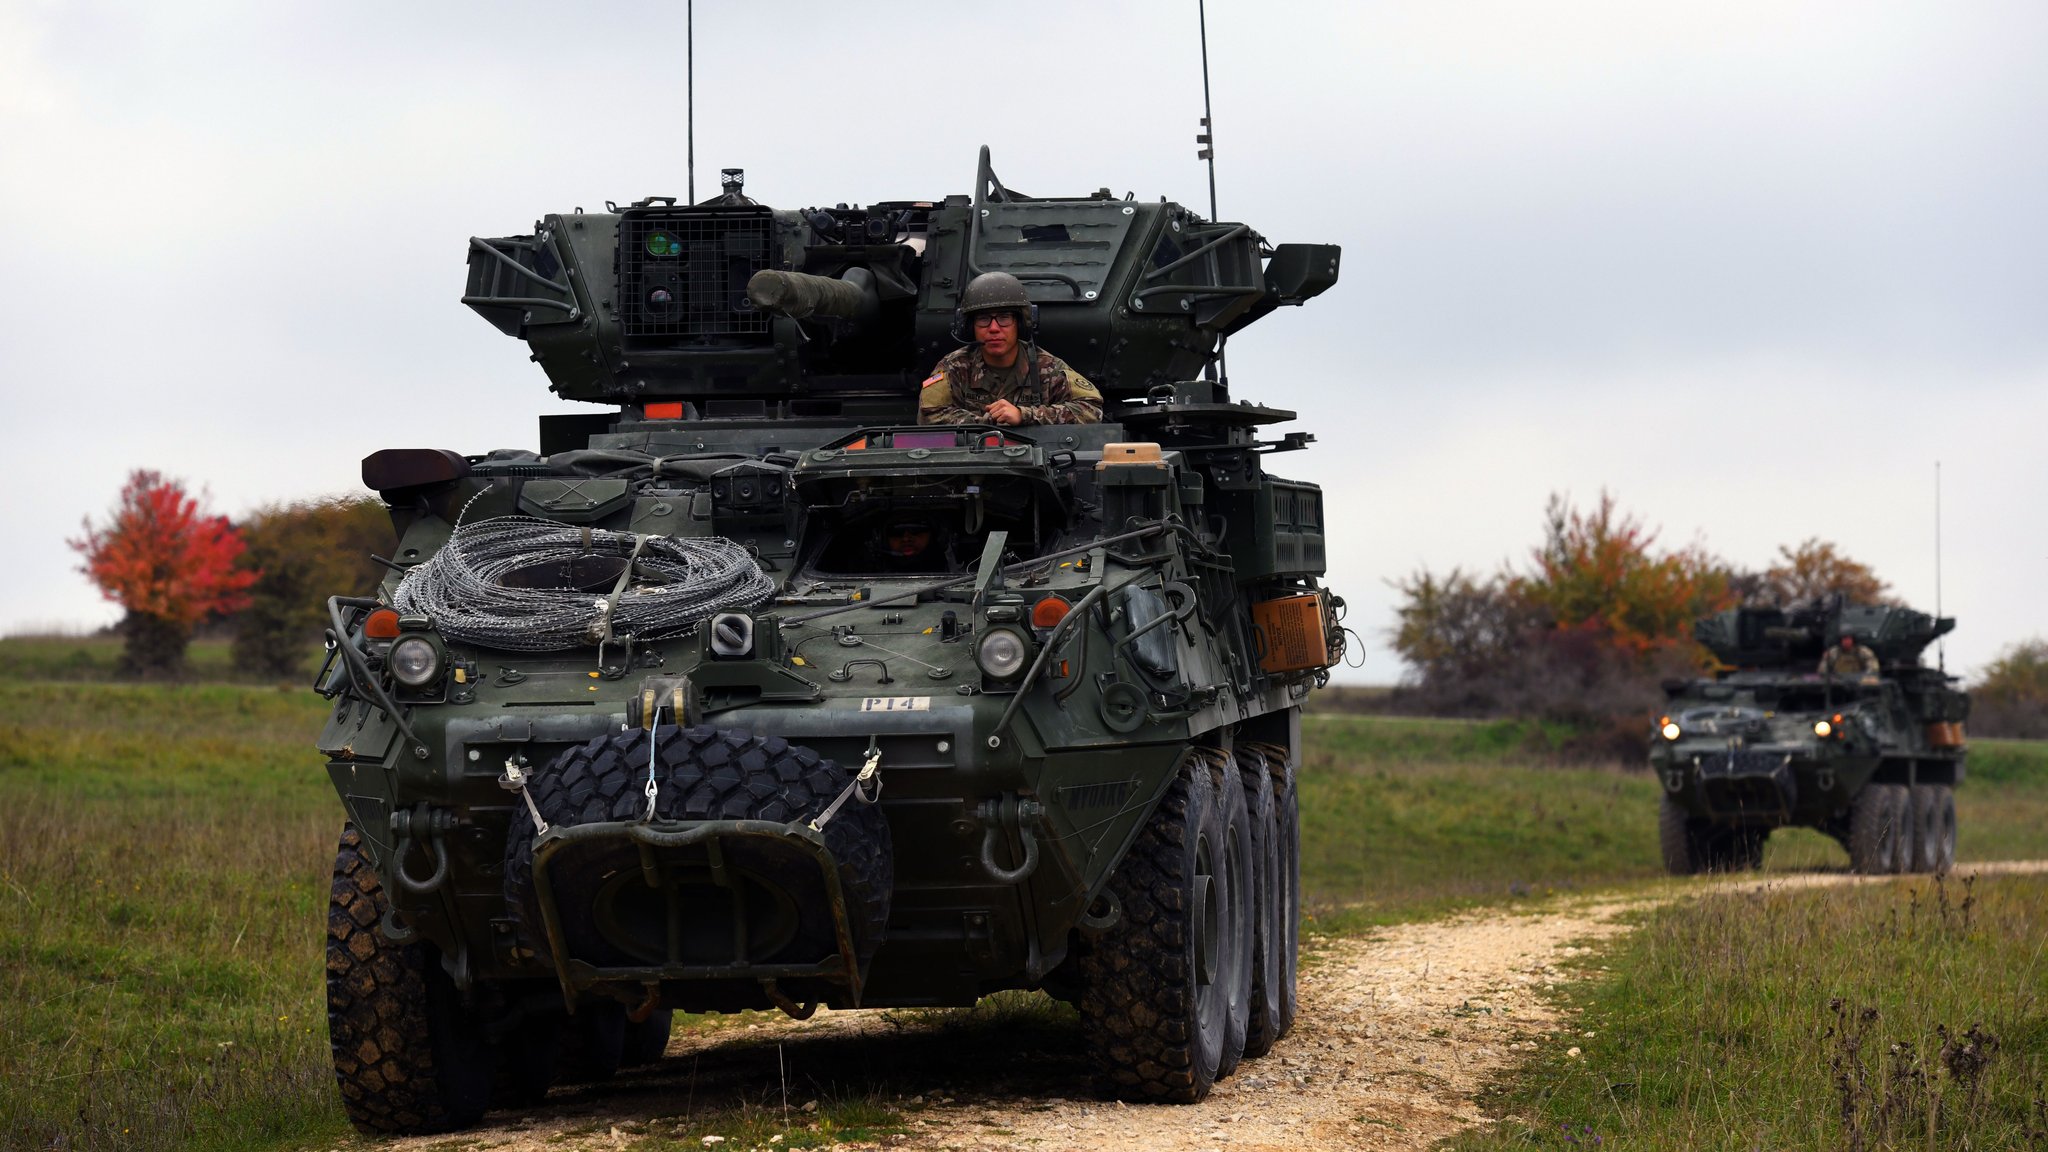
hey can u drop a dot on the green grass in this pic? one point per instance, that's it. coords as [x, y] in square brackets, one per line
[1406, 817]
[164, 853]
[98, 658]
[1810, 1018]
[163, 859]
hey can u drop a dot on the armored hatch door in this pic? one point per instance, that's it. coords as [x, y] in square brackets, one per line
[1061, 249]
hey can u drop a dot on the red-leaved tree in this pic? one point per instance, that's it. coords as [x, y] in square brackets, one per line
[169, 562]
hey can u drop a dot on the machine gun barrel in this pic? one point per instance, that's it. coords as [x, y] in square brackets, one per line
[800, 295]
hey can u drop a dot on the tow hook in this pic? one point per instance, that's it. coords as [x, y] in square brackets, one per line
[422, 823]
[1017, 815]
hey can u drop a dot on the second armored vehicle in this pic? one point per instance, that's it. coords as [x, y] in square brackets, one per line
[749, 691]
[1792, 731]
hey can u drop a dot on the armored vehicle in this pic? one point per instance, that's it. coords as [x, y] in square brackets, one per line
[1791, 730]
[749, 691]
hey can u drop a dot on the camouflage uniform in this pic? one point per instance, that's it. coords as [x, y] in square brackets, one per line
[963, 385]
[1859, 662]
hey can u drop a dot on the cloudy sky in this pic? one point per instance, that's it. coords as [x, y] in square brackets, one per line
[1751, 267]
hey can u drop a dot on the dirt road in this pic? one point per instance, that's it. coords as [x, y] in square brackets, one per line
[1397, 1033]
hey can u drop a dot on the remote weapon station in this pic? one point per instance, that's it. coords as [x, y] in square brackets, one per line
[1798, 730]
[748, 691]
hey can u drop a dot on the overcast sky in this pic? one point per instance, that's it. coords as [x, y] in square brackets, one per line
[1751, 267]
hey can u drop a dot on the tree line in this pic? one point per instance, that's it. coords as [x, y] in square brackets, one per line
[1584, 630]
[1580, 633]
[174, 567]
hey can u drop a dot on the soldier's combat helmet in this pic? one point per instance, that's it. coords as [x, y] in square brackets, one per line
[994, 292]
[991, 291]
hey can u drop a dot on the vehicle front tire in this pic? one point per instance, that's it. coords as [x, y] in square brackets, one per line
[1154, 1011]
[1877, 819]
[408, 1058]
[1684, 853]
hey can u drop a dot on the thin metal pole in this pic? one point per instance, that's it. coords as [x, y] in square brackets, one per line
[1208, 118]
[690, 89]
[1940, 646]
[1221, 368]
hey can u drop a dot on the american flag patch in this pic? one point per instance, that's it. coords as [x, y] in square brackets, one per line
[932, 379]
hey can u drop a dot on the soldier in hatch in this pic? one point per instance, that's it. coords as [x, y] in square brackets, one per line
[909, 544]
[1850, 660]
[1004, 377]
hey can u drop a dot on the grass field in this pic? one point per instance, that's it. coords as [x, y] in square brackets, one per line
[1908, 1014]
[163, 859]
[99, 659]
[164, 853]
[1405, 816]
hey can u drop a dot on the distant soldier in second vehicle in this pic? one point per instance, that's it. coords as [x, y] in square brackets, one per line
[1004, 377]
[1850, 660]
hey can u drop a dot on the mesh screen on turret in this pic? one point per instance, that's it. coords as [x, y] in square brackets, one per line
[686, 275]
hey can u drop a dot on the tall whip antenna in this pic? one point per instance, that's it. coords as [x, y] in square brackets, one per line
[690, 89]
[1940, 646]
[1206, 138]
[1207, 135]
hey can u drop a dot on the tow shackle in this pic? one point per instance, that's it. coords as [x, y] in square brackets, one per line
[1015, 813]
[428, 823]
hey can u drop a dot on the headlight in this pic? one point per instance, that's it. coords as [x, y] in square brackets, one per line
[415, 662]
[1001, 653]
[1670, 730]
[1823, 729]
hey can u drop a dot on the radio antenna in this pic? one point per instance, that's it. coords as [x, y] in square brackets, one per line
[690, 90]
[1207, 135]
[1940, 645]
[1207, 139]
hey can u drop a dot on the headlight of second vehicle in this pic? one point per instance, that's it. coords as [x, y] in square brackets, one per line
[415, 661]
[1001, 653]
[1669, 729]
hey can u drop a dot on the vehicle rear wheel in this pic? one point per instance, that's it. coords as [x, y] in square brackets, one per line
[1934, 827]
[594, 1042]
[1154, 1010]
[609, 916]
[1240, 908]
[647, 1040]
[1287, 812]
[1877, 829]
[530, 1060]
[1750, 845]
[408, 1057]
[1269, 897]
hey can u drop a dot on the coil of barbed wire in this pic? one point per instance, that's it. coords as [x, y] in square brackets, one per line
[530, 585]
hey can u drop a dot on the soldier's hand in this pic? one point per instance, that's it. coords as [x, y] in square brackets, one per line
[1003, 412]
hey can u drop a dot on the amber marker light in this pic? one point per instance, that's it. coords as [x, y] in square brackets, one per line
[1049, 611]
[382, 625]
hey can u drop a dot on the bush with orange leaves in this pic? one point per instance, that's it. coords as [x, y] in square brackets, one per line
[169, 562]
[1583, 634]
[1600, 573]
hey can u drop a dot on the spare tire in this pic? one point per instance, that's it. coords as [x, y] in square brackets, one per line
[609, 915]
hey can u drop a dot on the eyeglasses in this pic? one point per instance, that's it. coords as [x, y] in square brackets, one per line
[996, 320]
